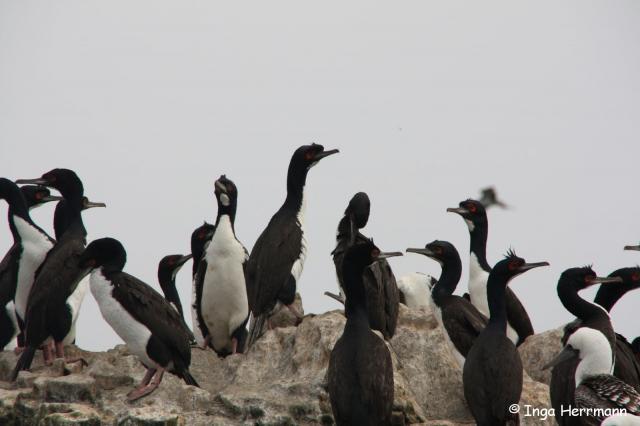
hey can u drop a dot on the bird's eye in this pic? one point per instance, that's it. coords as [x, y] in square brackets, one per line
[39, 195]
[472, 208]
[514, 265]
[438, 250]
[171, 262]
[309, 155]
[635, 276]
[375, 253]
[589, 278]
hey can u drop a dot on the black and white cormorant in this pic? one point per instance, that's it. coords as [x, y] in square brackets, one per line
[168, 268]
[461, 321]
[414, 289]
[492, 374]
[278, 256]
[380, 283]
[626, 366]
[360, 374]
[148, 324]
[200, 238]
[223, 304]
[34, 196]
[595, 387]
[48, 317]
[573, 280]
[518, 323]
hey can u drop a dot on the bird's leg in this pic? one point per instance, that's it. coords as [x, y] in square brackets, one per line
[337, 297]
[234, 346]
[145, 381]
[47, 354]
[149, 387]
[295, 312]
[60, 354]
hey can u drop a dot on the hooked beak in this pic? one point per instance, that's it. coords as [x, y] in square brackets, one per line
[36, 181]
[424, 251]
[528, 266]
[636, 248]
[323, 154]
[459, 210]
[566, 354]
[91, 204]
[220, 187]
[184, 259]
[389, 254]
[605, 280]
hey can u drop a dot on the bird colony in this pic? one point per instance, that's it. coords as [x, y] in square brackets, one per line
[235, 293]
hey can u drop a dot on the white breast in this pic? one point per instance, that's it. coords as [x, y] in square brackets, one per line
[298, 265]
[194, 316]
[74, 302]
[11, 312]
[135, 334]
[35, 246]
[478, 278]
[415, 288]
[224, 294]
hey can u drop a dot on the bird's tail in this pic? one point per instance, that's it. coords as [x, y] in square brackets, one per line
[188, 378]
[24, 362]
[256, 329]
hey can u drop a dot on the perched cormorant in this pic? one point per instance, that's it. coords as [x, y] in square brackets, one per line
[200, 238]
[168, 268]
[360, 374]
[562, 385]
[148, 324]
[47, 315]
[518, 323]
[595, 387]
[461, 320]
[278, 255]
[492, 374]
[223, 303]
[34, 196]
[380, 283]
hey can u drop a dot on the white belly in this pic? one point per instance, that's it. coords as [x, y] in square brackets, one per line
[133, 333]
[478, 278]
[415, 288]
[11, 312]
[75, 302]
[35, 246]
[224, 294]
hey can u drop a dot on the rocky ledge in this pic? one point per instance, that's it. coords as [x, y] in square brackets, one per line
[282, 381]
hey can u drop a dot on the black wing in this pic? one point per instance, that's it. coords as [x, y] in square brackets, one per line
[463, 322]
[199, 283]
[518, 317]
[382, 298]
[271, 260]
[8, 275]
[627, 367]
[151, 309]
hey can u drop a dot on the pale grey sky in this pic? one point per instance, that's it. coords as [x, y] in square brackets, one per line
[151, 101]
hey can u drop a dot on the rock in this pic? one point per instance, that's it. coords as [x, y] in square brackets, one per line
[281, 381]
[538, 350]
[284, 317]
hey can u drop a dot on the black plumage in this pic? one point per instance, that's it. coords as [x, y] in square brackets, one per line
[360, 374]
[382, 292]
[492, 374]
[47, 315]
[562, 385]
[200, 238]
[167, 345]
[277, 257]
[474, 213]
[462, 322]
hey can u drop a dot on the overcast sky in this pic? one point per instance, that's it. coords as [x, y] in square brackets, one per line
[428, 102]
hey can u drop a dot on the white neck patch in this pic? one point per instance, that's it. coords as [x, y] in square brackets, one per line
[470, 225]
[595, 353]
[224, 199]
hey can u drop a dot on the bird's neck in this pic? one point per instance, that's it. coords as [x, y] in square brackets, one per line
[226, 216]
[496, 290]
[168, 286]
[296, 181]
[599, 360]
[355, 304]
[609, 294]
[478, 243]
[446, 285]
[575, 304]
[17, 208]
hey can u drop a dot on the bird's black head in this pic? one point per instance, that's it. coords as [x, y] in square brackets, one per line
[170, 265]
[635, 345]
[583, 277]
[226, 195]
[511, 266]
[65, 181]
[630, 277]
[472, 211]
[308, 156]
[107, 253]
[37, 195]
[442, 252]
[636, 247]
[200, 236]
[8, 189]
[358, 210]
[363, 254]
